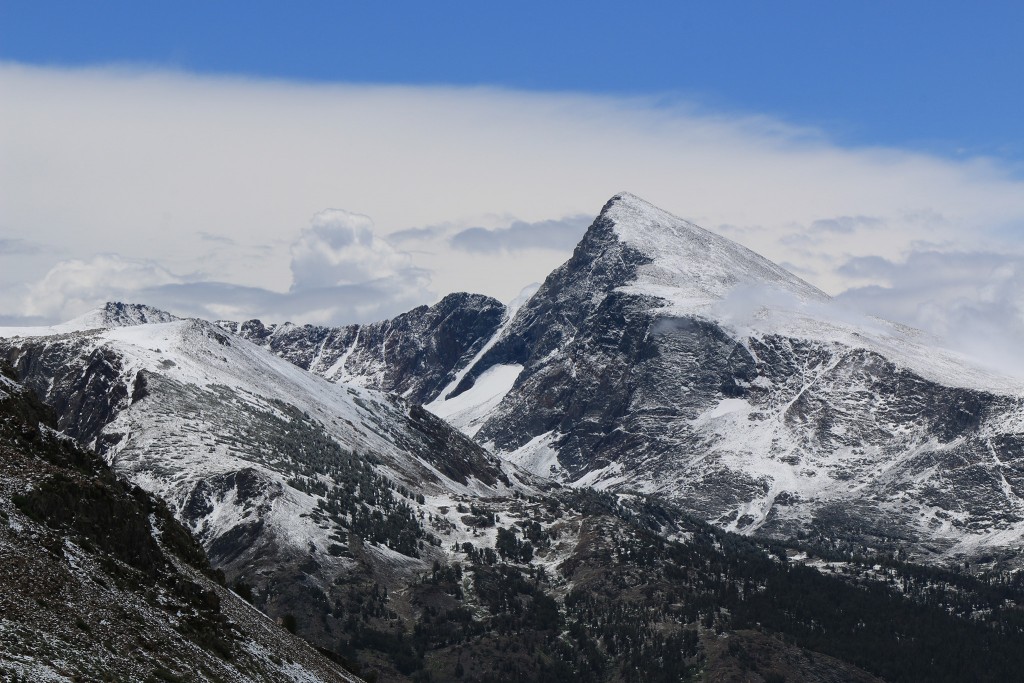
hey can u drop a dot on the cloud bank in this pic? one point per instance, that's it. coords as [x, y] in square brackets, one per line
[561, 235]
[973, 300]
[340, 273]
[195, 193]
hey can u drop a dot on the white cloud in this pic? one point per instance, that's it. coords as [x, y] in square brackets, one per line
[341, 273]
[340, 248]
[561, 235]
[972, 300]
[359, 302]
[74, 286]
[827, 229]
[186, 174]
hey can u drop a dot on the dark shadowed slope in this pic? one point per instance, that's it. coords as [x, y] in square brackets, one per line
[101, 583]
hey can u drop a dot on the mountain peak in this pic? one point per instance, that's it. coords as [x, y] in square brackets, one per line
[628, 199]
[119, 314]
[688, 265]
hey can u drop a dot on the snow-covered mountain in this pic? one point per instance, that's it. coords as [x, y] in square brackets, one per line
[415, 354]
[665, 358]
[406, 551]
[288, 480]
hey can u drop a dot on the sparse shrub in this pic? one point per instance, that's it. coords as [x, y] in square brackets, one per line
[244, 591]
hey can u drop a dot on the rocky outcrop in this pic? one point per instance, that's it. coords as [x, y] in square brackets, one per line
[415, 354]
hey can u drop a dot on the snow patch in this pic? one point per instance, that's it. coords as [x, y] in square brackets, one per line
[603, 478]
[724, 407]
[468, 411]
[538, 456]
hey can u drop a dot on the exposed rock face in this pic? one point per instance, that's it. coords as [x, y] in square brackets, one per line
[118, 314]
[415, 354]
[374, 530]
[531, 584]
[569, 297]
[85, 395]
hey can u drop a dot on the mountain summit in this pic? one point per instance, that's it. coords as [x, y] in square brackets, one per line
[118, 314]
[688, 265]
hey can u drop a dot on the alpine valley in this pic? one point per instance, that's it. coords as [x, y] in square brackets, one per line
[672, 460]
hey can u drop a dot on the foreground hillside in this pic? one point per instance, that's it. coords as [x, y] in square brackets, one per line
[100, 583]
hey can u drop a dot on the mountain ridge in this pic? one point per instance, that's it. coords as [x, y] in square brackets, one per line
[574, 585]
[799, 422]
[690, 265]
[289, 481]
[762, 402]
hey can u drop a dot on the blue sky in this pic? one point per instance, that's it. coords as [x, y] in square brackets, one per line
[944, 77]
[334, 162]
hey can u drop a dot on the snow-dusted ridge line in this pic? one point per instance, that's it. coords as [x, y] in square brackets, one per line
[191, 345]
[98, 608]
[197, 353]
[267, 464]
[109, 315]
[664, 359]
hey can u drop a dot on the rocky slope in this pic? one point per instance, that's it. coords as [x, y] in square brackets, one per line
[416, 354]
[101, 583]
[663, 358]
